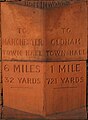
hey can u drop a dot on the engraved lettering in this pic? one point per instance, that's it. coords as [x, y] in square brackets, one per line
[6, 68]
[26, 68]
[29, 80]
[65, 68]
[68, 30]
[72, 80]
[65, 42]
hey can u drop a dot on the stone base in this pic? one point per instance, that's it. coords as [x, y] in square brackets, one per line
[9, 113]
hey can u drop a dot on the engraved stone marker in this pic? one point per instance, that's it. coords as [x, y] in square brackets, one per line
[53, 34]
[23, 82]
[32, 90]
[65, 86]
[37, 43]
[66, 33]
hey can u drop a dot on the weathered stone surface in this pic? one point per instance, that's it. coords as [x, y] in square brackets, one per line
[65, 86]
[22, 32]
[44, 88]
[54, 34]
[23, 83]
[10, 113]
[66, 33]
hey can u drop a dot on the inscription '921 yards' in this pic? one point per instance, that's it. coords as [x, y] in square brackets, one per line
[43, 3]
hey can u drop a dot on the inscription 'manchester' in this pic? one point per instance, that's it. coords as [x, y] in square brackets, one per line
[23, 42]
